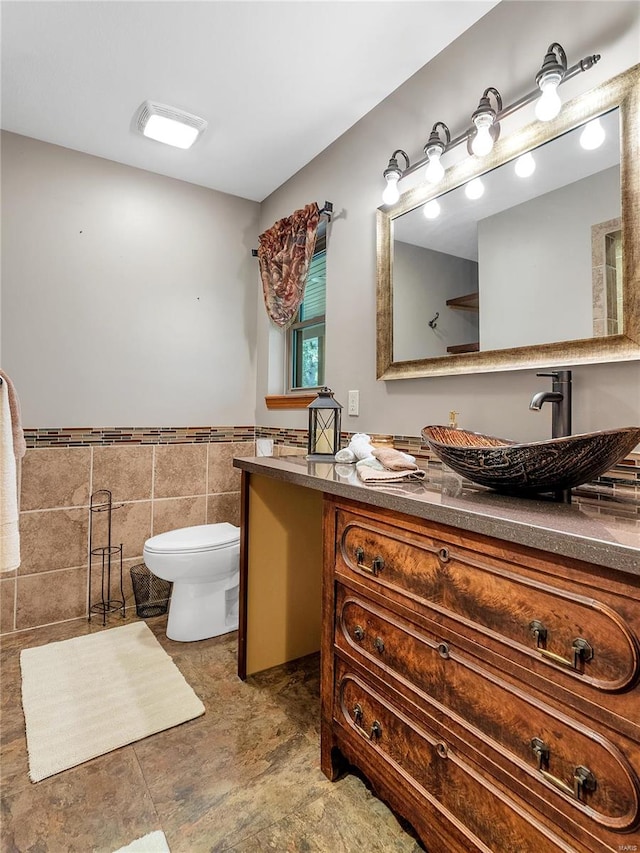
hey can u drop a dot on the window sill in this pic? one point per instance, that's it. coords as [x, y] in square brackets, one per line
[289, 401]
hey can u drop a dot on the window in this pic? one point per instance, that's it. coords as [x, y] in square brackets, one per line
[306, 336]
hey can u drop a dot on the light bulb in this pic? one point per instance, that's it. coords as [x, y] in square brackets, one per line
[549, 104]
[431, 209]
[482, 142]
[435, 169]
[593, 135]
[391, 192]
[525, 165]
[474, 189]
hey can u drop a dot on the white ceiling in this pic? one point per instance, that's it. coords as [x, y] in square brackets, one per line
[276, 81]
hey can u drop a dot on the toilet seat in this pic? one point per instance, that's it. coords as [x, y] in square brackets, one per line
[191, 540]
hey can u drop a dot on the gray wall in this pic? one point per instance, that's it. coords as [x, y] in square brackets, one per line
[423, 280]
[504, 49]
[127, 298]
[535, 264]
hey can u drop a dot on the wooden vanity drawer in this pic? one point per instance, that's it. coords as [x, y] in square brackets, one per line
[552, 755]
[450, 788]
[580, 635]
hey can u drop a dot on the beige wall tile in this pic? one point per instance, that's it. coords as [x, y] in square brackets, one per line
[289, 450]
[7, 601]
[180, 470]
[224, 508]
[173, 513]
[130, 525]
[223, 477]
[53, 539]
[55, 477]
[125, 470]
[51, 597]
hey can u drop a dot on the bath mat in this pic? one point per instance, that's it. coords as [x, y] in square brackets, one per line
[155, 842]
[92, 694]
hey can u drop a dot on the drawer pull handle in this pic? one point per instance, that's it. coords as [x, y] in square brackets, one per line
[582, 650]
[377, 564]
[583, 778]
[443, 650]
[358, 633]
[379, 644]
[442, 749]
[376, 728]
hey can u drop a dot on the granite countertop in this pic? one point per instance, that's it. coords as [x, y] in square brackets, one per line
[597, 528]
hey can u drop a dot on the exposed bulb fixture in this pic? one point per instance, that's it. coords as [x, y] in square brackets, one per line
[474, 189]
[434, 149]
[548, 79]
[592, 135]
[431, 209]
[392, 175]
[525, 165]
[169, 125]
[484, 130]
[487, 128]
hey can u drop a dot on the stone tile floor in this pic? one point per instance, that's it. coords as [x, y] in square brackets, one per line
[244, 777]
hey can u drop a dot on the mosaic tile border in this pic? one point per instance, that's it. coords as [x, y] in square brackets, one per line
[104, 436]
[623, 479]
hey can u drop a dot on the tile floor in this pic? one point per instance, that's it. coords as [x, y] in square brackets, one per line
[243, 777]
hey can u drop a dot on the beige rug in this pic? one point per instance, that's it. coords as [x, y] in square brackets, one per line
[86, 696]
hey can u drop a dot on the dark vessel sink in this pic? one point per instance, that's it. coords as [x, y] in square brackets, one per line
[540, 466]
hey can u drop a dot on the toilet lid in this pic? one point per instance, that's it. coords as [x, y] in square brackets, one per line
[202, 537]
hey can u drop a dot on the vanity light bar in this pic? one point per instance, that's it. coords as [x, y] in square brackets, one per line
[584, 65]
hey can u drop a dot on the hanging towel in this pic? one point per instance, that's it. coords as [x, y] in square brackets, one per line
[12, 449]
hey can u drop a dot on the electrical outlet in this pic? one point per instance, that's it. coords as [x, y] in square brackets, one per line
[354, 403]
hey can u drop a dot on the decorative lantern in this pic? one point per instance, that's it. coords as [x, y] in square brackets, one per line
[324, 427]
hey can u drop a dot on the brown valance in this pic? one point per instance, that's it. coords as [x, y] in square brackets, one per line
[284, 253]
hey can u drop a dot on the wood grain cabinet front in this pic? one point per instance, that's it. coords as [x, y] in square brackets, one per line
[525, 667]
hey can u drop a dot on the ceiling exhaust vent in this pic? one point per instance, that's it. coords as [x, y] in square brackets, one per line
[169, 124]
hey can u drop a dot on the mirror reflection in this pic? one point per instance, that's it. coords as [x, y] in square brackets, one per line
[528, 254]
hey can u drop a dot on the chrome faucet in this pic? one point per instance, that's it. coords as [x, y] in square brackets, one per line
[560, 396]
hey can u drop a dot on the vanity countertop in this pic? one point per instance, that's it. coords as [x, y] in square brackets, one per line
[595, 528]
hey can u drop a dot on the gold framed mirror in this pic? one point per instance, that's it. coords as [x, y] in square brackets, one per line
[601, 320]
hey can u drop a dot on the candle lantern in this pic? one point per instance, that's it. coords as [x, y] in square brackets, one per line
[324, 427]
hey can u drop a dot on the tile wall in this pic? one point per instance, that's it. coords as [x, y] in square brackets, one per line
[161, 479]
[155, 486]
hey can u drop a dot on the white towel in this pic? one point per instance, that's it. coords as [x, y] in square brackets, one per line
[9, 531]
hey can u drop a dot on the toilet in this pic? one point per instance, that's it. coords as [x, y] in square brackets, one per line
[203, 564]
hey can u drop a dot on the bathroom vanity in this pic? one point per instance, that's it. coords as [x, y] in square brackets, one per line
[480, 653]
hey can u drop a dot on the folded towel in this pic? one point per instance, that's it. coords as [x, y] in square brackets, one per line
[360, 445]
[370, 462]
[9, 466]
[395, 460]
[345, 455]
[373, 477]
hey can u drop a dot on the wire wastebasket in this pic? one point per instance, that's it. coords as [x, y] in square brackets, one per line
[151, 593]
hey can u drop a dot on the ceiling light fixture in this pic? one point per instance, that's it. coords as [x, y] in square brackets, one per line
[485, 128]
[434, 149]
[552, 73]
[592, 135]
[169, 125]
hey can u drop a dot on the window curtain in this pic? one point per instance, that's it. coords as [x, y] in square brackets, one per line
[284, 253]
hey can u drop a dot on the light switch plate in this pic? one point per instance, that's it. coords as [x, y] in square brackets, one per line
[353, 405]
